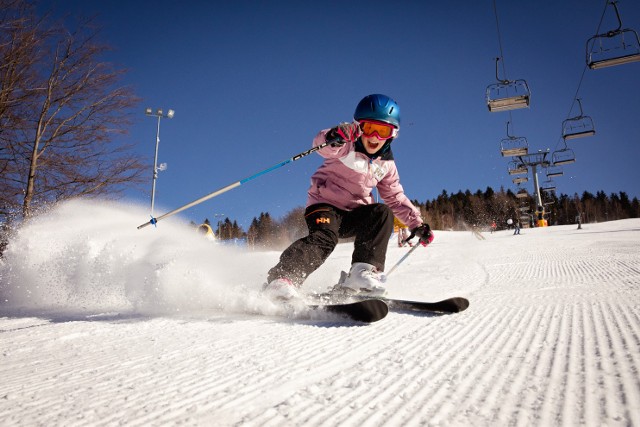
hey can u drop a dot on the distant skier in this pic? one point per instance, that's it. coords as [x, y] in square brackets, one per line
[516, 225]
[206, 231]
[402, 231]
[340, 203]
[494, 226]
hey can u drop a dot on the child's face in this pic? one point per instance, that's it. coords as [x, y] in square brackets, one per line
[372, 144]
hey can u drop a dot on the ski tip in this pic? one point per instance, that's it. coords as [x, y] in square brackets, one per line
[460, 303]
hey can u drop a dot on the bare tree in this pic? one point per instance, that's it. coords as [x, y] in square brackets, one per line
[64, 113]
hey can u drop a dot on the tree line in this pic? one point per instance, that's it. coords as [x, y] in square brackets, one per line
[457, 211]
[464, 209]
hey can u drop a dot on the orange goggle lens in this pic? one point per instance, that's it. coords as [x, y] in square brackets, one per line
[382, 130]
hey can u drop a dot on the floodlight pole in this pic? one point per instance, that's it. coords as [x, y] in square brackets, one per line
[159, 114]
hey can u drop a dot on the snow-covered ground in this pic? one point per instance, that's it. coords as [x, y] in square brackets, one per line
[104, 324]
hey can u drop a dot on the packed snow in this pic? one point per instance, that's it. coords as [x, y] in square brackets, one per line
[104, 324]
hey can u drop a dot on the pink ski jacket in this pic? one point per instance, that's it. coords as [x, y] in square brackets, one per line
[347, 177]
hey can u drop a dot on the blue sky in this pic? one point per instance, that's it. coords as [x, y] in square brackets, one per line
[252, 82]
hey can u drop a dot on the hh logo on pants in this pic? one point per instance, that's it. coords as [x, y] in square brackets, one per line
[323, 220]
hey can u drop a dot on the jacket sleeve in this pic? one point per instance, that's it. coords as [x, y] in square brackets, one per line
[330, 152]
[392, 193]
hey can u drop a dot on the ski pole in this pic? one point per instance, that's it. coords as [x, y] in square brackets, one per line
[404, 257]
[235, 184]
[409, 252]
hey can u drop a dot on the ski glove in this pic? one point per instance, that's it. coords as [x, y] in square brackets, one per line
[423, 233]
[343, 133]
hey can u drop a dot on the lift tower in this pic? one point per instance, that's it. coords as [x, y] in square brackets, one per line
[534, 160]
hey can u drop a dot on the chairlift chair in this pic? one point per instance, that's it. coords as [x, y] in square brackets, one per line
[564, 156]
[615, 47]
[517, 168]
[548, 186]
[522, 193]
[547, 199]
[507, 94]
[554, 171]
[524, 209]
[513, 145]
[578, 127]
[520, 179]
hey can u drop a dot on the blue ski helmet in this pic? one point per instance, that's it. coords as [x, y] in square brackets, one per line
[378, 107]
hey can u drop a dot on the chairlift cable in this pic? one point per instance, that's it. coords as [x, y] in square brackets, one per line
[584, 70]
[495, 12]
[504, 68]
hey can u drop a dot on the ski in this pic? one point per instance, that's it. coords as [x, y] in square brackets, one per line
[367, 310]
[446, 306]
[449, 305]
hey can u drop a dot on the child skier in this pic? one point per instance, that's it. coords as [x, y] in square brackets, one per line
[340, 203]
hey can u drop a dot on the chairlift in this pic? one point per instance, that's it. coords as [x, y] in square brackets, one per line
[548, 186]
[507, 94]
[564, 156]
[554, 171]
[522, 193]
[524, 209]
[514, 145]
[548, 199]
[517, 168]
[615, 47]
[520, 179]
[578, 127]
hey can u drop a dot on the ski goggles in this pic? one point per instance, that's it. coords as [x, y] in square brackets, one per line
[380, 129]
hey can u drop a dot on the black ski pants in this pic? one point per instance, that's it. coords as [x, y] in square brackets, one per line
[371, 225]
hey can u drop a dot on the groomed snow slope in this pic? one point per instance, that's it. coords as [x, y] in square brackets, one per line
[103, 324]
